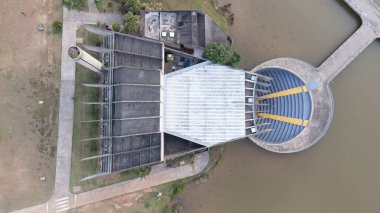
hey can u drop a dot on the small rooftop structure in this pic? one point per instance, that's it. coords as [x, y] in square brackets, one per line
[188, 30]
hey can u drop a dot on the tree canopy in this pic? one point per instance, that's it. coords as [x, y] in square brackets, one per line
[220, 53]
[131, 23]
[133, 6]
[57, 27]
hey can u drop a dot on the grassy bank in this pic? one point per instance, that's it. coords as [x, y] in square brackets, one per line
[80, 149]
[159, 199]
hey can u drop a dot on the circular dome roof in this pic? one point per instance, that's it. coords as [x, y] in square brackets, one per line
[284, 111]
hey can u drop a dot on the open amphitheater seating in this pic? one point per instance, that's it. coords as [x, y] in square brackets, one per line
[296, 105]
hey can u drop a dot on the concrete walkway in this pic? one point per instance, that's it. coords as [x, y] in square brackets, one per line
[347, 52]
[92, 6]
[63, 199]
[322, 98]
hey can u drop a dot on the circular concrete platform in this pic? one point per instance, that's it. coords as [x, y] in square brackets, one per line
[322, 106]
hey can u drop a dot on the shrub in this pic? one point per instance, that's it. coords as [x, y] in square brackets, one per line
[143, 171]
[57, 27]
[151, 6]
[133, 6]
[131, 23]
[221, 54]
[188, 159]
[177, 188]
[74, 4]
[116, 27]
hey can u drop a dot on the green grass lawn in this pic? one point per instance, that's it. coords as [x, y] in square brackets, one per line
[82, 112]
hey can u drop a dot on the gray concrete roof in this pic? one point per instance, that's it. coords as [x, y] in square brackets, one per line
[131, 133]
[190, 28]
[136, 107]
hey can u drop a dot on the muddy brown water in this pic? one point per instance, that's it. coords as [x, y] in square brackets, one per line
[339, 174]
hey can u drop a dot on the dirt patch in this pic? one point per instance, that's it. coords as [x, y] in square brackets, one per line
[133, 202]
[29, 73]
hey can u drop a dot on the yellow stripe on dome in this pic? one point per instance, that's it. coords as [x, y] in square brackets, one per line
[295, 121]
[291, 91]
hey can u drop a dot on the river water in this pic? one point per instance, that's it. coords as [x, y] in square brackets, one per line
[339, 174]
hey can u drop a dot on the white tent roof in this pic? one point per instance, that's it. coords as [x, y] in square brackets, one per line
[205, 104]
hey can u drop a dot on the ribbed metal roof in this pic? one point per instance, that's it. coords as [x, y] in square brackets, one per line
[205, 104]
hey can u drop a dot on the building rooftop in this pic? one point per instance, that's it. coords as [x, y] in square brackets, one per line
[188, 30]
[196, 100]
[206, 103]
[131, 134]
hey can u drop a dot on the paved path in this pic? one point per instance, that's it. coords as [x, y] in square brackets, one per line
[322, 99]
[63, 199]
[347, 52]
[369, 13]
[92, 6]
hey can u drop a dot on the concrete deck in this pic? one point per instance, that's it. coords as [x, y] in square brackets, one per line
[322, 98]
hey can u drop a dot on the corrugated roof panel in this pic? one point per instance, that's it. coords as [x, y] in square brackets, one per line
[206, 104]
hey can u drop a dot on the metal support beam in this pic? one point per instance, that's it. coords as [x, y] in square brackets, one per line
[119, 136]
[97, 49]
[263, 84]
[97, 85]
[263, 124]
[137, 54]
[262, 91]
[98, 31]
[119, 153]
[137, 68]
[263, 77]
[262, 132]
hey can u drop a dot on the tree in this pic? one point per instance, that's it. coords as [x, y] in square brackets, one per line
[131, 23]
[116, 27]
[133, 6]
[220, 53]
[57, 27]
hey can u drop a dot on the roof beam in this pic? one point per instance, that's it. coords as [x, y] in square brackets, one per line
[121, 119]
[118, 136]
[115, 102]
[98, 31]
[97, 49]
[138, 54]
[119, 153]
[137, 68]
